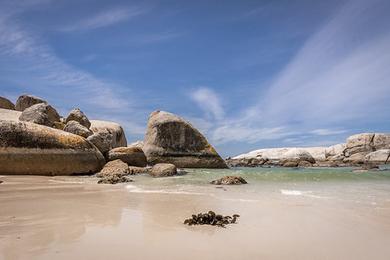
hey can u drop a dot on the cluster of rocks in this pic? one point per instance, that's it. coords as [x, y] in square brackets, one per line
[359, 149]
[210, 218]
[35, 139]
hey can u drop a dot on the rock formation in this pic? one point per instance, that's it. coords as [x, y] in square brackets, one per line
[32, 149]
[116, 167]
[210, 218]
[78, 115]
[163, 170]
[107, 135]
[171, 139]
[76, 128]
[6, 104]
[25, 101]
[42, 114]
[365, 148]
[133, 156]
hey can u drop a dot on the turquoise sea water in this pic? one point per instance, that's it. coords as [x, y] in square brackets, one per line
[371, 187]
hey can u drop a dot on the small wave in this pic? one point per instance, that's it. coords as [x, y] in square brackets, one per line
[292, 192]
[135, 189]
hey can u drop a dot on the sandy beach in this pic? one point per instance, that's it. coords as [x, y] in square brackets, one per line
[74, 218]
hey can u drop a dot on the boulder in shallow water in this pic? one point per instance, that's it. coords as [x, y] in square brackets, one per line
[78, 115]
[42, 114]
[211, 218]
[163, 170]
[171, 139]
[6, 104]
[76, 128]
[229, 180]
[131, 155]
[114, 179]
[25, 101]
[134, 170]
[32, 149]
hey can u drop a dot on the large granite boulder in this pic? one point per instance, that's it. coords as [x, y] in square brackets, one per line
[107, 135]
[335, 150]
[171, 139]
[42, 114]
[6, 104]
[32, 149]
[133, 156]
[78, 115]
[76, 128]
[25, 101]
[163, 170]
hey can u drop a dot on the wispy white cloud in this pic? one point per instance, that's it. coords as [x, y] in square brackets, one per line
[208, 101]
[105, 18]
[38, 65]
[339, 77]
[327, 131]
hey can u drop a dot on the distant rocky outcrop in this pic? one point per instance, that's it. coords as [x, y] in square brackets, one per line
[25, 101]
[42, 114]
[6, 104]
[171, 139]
[365, 148]
[33, 149]
[133, 156]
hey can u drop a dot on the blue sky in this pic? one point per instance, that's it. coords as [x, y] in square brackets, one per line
[248, 74]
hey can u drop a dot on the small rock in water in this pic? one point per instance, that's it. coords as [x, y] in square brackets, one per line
[229, 180]
[1, 181]
[114, 179]
[210, 218]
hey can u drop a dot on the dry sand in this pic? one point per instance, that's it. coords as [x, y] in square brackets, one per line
[74, 218]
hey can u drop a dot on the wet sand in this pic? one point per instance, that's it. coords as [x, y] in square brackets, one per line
[74, 218]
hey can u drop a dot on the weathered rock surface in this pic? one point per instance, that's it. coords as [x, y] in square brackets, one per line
[107, 135]
[7, 114]
[6, 104]
[25, 101]
[131, 155]
[78, 115]
[359, 143]
[134, 170]
[138, 144]
[76, 128]
[171, 139]
[378, 157]
[210, 218]
[229, 180]
[116, 167]
[114, 179]
[32, 149]
[42, 114]
[163, 170]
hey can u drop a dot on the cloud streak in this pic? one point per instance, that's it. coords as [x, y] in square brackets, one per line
[105, 19]
[209, 102]
[339, 78]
